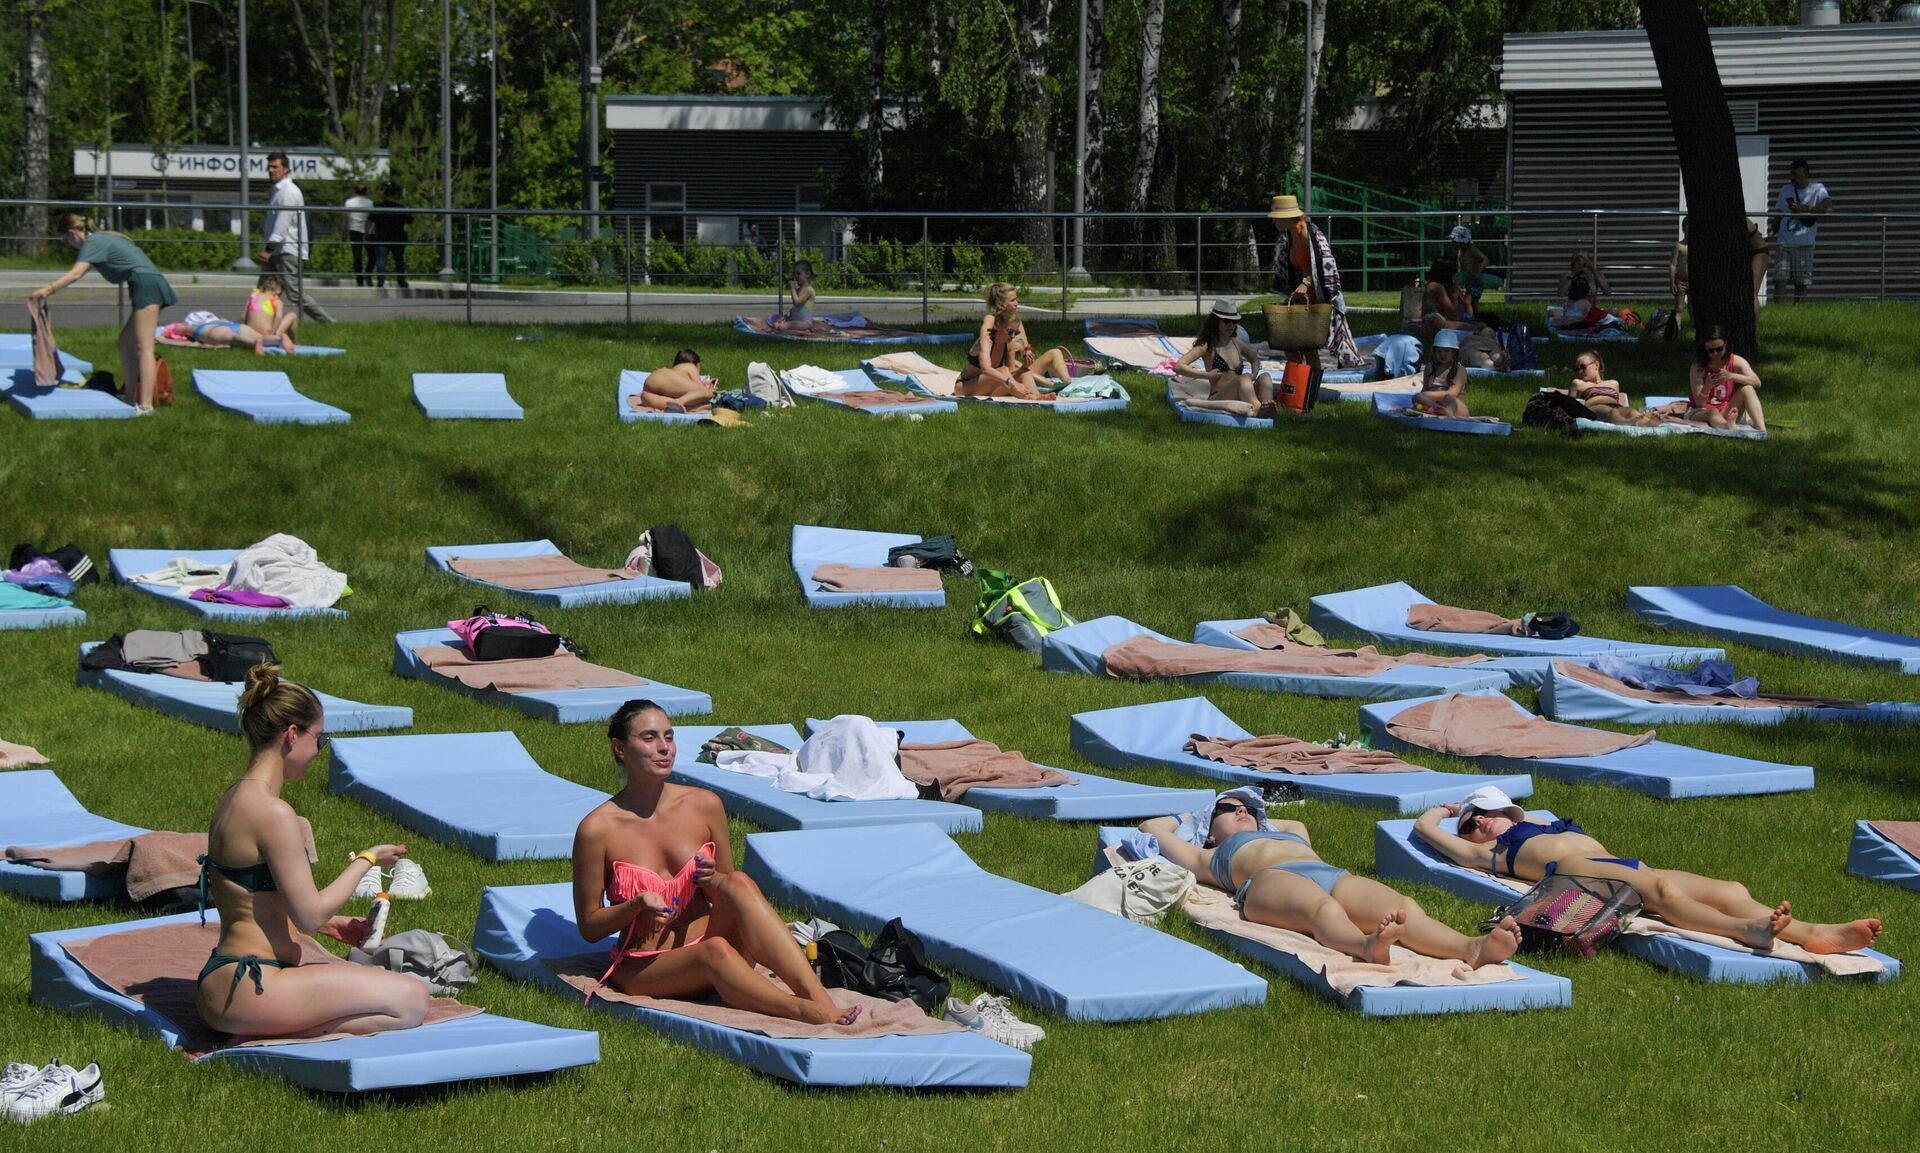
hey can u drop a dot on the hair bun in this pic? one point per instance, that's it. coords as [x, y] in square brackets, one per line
[262, 680]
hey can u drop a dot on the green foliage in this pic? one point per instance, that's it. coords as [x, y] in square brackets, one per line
[970, 266]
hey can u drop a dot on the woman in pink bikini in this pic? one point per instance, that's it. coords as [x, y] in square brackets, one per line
[1722, 387]
[653, 868]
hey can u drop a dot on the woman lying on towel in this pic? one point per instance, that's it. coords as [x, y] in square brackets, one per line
[1226, 362]
[1277, 879]
[1001, 361]
[1602, 396]
[654, 865]
[1443, 386]
[208, 329]
[258, 872]
[679, 387]
[1497, 836]
[1722, 387]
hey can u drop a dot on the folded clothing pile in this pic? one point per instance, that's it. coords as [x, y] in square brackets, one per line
[194, 654]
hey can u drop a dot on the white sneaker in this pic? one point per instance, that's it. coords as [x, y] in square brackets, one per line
[18, 1077]
[60, 1089]
[989, 1016]
[369, 886]
[409, 881]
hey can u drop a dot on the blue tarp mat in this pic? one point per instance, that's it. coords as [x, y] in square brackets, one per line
[1379, 613]
[16, 352]
[566, 706]
[1533, 990]
[126, 563]
[1090, 798]
[1156, 734]
[1732, 613]
[64, 403]
[37, 811]
[857, 381]
[522, 928]
[48, 612]
[632, 383]
[1398, 407]
[760, 802]
[465, 396]
[1658, 769]
[1048, 950]
[614, 592]
[1080, 649]
[814, 545]
[216, 704]
[846, 320]
[1566, 699]
[1202, 416]
[1873, 856]
[1221, 634]
[481, 792]
[1399, 855]
[266, 397]
[467, 1049]
[1109, 404]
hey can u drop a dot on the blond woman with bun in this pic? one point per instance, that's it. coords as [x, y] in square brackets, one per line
[258, 871]
[1001, 362]
[119, 261]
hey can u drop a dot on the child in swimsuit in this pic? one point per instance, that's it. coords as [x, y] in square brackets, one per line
[1443, 386]
[208, 329]
[1227, 363]
[800, 316]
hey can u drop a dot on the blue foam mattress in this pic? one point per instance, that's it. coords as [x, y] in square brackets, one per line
[1223, 634]
[1566, 699]
[40, 612]
[216, 704]
[63, 403]
[857, 381]
[815, 545]
[1204, 416]
[913, 384]
[464, 396]
[1732, 613]
[126, 563]
[632, 383]
[37, 811]
[1398, 407]
[1874, 856]
[265, 397]
[566, 706]
[614, 592]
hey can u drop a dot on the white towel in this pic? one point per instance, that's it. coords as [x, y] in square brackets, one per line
[812, 380]
[849, 758]
[287, 567]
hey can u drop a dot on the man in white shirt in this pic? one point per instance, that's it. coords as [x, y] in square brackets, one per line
[358, 207]
[286, 247]
[1803, 201]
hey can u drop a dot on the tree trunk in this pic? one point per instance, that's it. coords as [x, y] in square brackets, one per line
[876, 103]
[1229, 150]
[1036, 119]
[1316, 42]
[1148, 149]
[1722, 284]
[35, 147]
[1096, 114]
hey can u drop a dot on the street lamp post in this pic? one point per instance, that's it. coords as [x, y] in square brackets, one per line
[446, 139]
[493, 134]
[245, 262]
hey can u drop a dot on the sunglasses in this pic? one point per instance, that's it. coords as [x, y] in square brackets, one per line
[1467, 821]
[1231, 807]
[321, 741]
[1715, 349]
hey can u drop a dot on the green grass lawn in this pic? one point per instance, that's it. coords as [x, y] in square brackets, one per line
[1129, 513]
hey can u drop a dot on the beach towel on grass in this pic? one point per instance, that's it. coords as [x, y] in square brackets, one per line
[1487, 726]
[151, 863]
[562, 670]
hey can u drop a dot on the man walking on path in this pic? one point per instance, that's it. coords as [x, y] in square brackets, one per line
[357, 208]
[286, 246]
[1803, 201]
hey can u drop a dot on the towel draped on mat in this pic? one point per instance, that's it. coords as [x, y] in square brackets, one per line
[1278, 639]
[154, 862]
[1279, 753]
[562, 670]
[535, 572]
[1489, 726]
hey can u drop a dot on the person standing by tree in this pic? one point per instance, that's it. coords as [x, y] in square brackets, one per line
[357, 212]
[286, 247]
[1803, 201]
[390, 222]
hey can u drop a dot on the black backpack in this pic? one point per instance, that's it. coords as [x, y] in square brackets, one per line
[674, 557]
[894, 969]
[229, 657]
[1556, 411]
[1554, 626]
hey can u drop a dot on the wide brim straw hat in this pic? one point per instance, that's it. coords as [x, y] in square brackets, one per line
[1285, 208]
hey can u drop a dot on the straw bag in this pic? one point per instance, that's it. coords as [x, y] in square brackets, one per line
[1299, 325]
[1574, 914]
[1140, 891]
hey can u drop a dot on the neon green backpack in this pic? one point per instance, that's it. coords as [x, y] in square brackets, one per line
[1018, 611]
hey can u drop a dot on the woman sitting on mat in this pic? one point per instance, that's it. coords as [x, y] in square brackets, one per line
[1001, 361]
[679, 387]
[1602, 396]
[1277, 879]
[266, 312]
[1443, 386]
[654, 865]
[1579, 286]
[1722, 387]
[1497, 836]
[799, 317]
[258, 872]
[1227, 363]
[208, 329]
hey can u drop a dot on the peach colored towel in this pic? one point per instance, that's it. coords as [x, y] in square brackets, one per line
[1473, 726]
[867, 398]
[1447, 619]
[1906, 834]
[1146, 658]
[1280, 753]
[535, 572]
[14, 756]
[957, 766]
[562, 670]
[877, 1018]
[154, 862]
[846, 578]
[940, 381]
[159, 967]
[1274, 638]
[1600, 680]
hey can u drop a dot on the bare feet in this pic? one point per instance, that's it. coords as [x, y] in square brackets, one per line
[825, 1012]
[1499, 944]
[1760, 932]
[1378, 945]
[1848, 938]
[849, 1017]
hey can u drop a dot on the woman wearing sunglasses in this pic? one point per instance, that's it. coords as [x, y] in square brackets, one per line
[1277, 879]
[258, 870]
[1722, 387]
[1496, 835]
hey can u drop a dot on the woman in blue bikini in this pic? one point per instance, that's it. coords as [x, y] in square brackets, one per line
[1277, 879]
[258, 871]
[1495, 835]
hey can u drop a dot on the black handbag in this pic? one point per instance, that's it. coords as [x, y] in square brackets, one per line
[894, 969]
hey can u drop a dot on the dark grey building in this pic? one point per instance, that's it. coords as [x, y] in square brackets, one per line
[1587, 128]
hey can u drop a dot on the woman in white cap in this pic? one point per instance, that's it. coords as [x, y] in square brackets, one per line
[1496, 835]
[1443, 384]
[1307, 273]
[1472, 263]
[1277, 879]
[1227, 362]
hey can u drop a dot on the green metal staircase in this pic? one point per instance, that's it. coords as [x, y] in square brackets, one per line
[1392, 249]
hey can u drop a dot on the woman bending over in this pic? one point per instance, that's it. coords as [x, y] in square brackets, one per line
[258, 872]
[654, 866]
[120, 261]
[679, 387]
